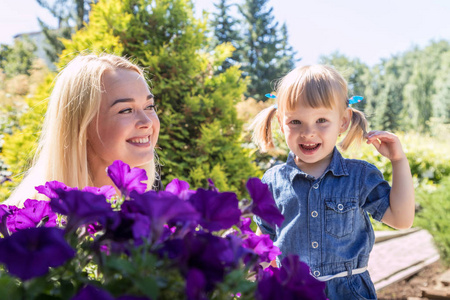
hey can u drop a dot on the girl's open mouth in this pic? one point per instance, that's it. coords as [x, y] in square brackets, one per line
[309, 148]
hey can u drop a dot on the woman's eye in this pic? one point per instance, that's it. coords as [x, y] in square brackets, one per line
[125, 111]
[321, 120]
[152, 107]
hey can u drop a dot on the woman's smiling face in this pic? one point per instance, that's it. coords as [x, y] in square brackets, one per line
[127, 126]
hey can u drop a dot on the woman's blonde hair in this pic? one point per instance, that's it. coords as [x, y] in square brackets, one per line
[313, 86]
[75, 101]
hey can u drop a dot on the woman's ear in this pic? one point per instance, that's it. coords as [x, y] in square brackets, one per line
[346, 119]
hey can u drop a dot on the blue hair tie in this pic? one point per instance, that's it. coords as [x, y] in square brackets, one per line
[271, 96]
[355, 99]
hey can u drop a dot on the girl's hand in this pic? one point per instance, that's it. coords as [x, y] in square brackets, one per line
[387, 144]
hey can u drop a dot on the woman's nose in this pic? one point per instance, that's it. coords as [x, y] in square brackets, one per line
[143, 119]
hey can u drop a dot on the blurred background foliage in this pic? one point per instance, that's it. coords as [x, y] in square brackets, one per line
[209, 76]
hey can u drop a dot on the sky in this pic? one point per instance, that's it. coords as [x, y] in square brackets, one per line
[363, 29]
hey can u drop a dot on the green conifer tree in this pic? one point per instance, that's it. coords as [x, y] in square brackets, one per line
[224, 26]
[264, 51]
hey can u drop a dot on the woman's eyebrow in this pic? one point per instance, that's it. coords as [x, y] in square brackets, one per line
[125, 100]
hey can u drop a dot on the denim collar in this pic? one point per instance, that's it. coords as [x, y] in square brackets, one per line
[337, 166]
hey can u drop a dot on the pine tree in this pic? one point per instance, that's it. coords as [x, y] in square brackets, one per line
[71, 16]
[225, 30]
[264, 51]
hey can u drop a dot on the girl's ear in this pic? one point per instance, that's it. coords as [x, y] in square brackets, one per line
[346, 118]
[280, 122]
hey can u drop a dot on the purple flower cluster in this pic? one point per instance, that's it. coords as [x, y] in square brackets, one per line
[201, 234]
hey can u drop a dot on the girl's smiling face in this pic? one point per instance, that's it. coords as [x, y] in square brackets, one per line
[126, 127]
[311, 134]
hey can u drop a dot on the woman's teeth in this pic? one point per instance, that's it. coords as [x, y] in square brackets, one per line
[140, 140]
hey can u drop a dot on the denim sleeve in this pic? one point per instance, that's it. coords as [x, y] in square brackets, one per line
[375, 191]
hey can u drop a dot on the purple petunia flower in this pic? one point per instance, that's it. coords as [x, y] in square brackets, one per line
[161, 208]
[49, 188]
[212, 255]
[6, 211]
[292, 281]
[30, 252]
[218, 210]
[180, 188]
[83, 208]
[107, 190]
[33, 212]
[262, 245]
[263, 204]
[126, 179]
[195, 285]
[90, 292]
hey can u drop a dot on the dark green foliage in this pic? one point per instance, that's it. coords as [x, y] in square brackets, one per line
[225, 28]
[433, 216]
[264, 52]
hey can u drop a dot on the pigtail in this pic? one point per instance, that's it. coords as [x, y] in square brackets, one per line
[262, 129]
[357, 131]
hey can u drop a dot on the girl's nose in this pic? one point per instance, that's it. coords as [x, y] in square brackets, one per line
[308, 131]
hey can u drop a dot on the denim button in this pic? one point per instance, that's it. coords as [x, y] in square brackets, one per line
[314, 214]
[316, 186]
[316, 273]
[340, 206]
[315, 244]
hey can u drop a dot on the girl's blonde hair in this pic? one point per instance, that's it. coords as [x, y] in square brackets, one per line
[75, 101]
[314, 86]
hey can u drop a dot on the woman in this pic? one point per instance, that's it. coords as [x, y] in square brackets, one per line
[101, 109]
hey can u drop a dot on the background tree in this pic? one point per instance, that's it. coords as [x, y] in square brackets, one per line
[225, 29]
[18, 58]
[71, 16]
[264, 51]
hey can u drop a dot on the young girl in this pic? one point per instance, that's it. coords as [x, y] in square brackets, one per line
[324, 197]
[100, 110]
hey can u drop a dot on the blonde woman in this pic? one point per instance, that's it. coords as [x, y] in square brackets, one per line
[101, 109]
[325, 198]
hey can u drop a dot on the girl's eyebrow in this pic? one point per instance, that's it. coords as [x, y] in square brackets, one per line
[125, 100]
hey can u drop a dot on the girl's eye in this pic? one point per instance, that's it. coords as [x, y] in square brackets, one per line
[295, 122]
[125, 111]
[152, 107]
[321, 120]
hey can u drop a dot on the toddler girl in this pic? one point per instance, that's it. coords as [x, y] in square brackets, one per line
[324, 197]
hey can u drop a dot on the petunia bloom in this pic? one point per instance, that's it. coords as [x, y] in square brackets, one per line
[49, 188]
[219, 210]
[263, 204]
[31, 215]
[161, 208]
[82, 208]
[126, 179]
[261, 245]
[31, 252]
[292, 281]
[180, 188]
[90, 292]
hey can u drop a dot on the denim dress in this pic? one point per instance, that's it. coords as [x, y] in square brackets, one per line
[326, 221]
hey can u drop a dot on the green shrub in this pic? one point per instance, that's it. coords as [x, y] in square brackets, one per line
[433, 216]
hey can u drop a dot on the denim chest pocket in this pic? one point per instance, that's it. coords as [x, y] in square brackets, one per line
[340, 216]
